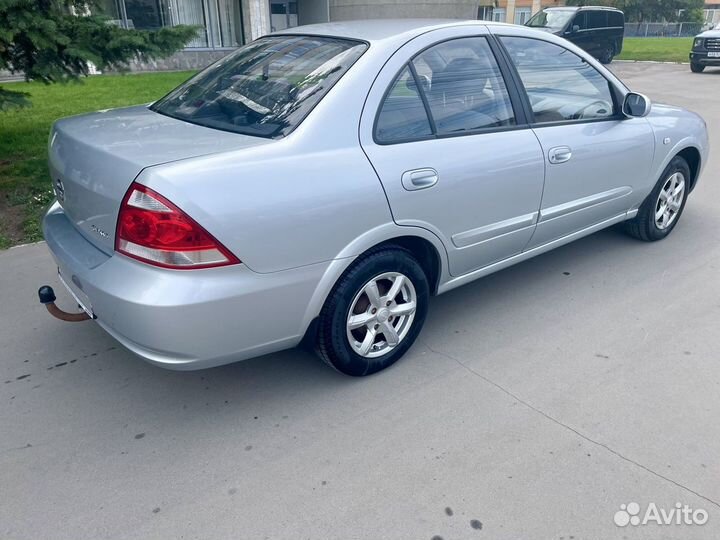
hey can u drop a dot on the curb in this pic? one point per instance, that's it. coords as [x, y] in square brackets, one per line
[23, 245]
[652, 62]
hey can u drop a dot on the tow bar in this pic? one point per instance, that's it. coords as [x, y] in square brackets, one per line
[47, 297]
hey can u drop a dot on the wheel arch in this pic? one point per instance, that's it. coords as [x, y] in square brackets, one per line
[424, 245]
[426, 254]
[692, 156]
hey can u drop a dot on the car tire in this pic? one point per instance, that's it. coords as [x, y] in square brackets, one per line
[359, 346]
[652, 223]
[696, 68]
[607, 55]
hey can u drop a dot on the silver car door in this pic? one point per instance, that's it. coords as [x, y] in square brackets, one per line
[595, 157]
[451, 153]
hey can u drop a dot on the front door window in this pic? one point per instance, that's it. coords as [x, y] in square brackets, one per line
[561, 86]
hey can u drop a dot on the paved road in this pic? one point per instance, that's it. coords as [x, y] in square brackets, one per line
[537, 401]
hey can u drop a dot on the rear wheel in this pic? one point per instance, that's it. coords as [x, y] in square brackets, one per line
[374, 313]
[661, 211]
[607, 55]
[696, 68]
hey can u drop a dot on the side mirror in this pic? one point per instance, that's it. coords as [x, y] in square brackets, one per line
[424, 83]
[636, 105]
[575, 28]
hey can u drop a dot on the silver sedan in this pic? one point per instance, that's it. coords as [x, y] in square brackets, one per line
[319, 185]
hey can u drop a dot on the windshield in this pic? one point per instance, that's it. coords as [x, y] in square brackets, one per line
[265, 88]
[555, 19]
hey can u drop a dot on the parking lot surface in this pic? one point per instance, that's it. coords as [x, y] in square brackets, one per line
[535, 403]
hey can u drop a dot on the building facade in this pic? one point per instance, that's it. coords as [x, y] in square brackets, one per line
[513, 11]
[227, 24]
[712, 12]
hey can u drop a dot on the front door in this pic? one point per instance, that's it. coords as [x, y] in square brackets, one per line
[452, 152]
[595, 157]
[578, 33]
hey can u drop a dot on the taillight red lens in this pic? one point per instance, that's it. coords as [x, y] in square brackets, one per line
[152, 229]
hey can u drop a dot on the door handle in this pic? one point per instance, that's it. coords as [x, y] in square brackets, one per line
[419, 179]
[559, 154]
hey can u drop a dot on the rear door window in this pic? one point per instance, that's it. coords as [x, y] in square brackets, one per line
[467, 91]
[457, 83]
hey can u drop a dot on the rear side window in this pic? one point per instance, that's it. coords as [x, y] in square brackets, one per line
[560, 85]
[403, 114]
[597, 19]
[265, 88]
[452, 88]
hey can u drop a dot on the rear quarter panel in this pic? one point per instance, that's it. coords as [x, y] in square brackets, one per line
[300, 200]
[278, 209]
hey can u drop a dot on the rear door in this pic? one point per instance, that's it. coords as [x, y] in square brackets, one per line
[453, 153]
[596, 158]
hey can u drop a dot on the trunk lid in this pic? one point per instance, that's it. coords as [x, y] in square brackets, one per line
[94, 158]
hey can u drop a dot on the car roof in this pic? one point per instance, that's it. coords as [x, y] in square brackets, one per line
[581, 8]
[380, 29]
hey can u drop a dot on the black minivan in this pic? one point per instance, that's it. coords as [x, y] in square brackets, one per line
[597, 29]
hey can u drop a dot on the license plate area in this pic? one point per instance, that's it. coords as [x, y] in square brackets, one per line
[80, 297]
[714, 54]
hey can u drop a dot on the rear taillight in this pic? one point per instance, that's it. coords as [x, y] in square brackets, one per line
[153, 230]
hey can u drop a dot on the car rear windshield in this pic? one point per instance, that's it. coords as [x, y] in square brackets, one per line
[265, 88]
[555, 19]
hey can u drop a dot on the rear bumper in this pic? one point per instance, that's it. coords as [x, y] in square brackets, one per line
[703, 59]
[183, 319]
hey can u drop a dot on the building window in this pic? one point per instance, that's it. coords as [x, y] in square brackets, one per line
[522, 14]
[283, 14]
[229, 23]
[485, 13]
[220, 20]
[498, 15]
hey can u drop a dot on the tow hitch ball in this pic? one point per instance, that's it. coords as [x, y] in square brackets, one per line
[47, 297]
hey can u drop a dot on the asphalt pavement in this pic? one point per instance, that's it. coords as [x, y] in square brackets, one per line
[536, 402]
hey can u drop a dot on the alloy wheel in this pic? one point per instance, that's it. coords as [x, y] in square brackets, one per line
[381, 314]
[670, 201]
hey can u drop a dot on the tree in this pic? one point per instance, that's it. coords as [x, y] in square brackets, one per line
[658, 10]
[46, 41]
[651, 10]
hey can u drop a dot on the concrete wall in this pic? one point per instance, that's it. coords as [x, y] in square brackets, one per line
[535, 5]
[256, 19]
[313, 11]
[343, 10]
[6, 76]
[181, 61]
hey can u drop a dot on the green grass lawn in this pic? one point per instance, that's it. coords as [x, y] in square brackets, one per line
[658, 49]
[25, 188]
